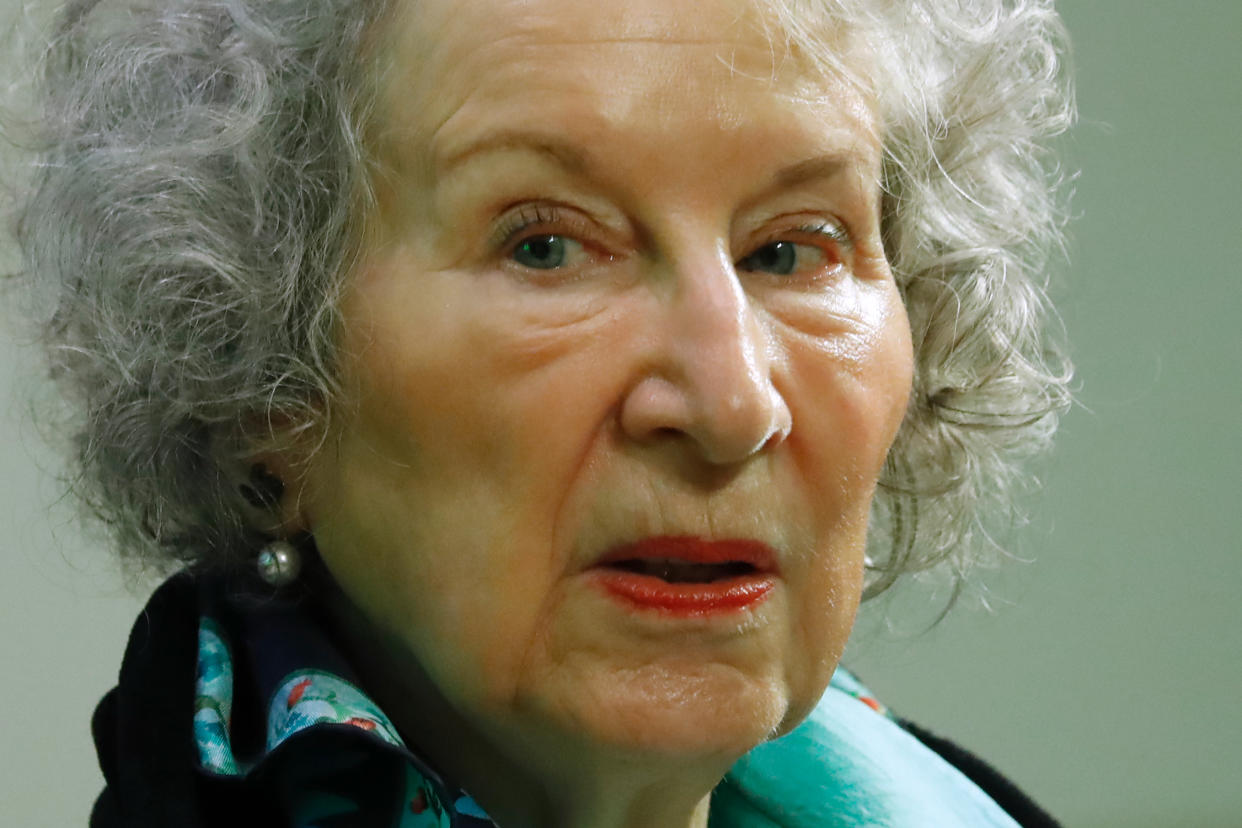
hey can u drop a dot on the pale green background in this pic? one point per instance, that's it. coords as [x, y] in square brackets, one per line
[1109, 679]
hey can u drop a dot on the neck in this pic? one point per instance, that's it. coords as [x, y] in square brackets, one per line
[584, 793]
[523, 777]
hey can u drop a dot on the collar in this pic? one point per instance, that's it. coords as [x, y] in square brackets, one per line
[276, 699]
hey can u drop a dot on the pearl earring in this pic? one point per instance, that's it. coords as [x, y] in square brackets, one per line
[279, 563]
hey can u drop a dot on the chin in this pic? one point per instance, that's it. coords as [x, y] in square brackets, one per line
[678, 711]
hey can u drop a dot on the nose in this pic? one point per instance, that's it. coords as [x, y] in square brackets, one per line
[709, 377]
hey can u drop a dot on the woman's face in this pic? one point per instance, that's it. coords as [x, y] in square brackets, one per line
[626, 301]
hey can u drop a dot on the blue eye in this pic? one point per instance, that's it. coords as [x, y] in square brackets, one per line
[818, 252]
[542, 252]
[780, 258]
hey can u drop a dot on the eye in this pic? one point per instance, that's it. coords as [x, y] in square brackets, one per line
[543, 237]
[786, 257]
[546, 252]
[779, 257]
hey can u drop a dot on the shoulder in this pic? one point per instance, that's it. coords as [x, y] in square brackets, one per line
[1003, 792]
[143, 727]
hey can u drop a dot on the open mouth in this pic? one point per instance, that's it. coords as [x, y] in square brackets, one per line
[688, 576]
[676, 571]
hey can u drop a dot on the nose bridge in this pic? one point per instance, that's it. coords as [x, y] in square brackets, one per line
[713, 330]
[720, 357]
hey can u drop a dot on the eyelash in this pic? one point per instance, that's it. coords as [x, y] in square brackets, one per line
[515, 226]
[830, 230]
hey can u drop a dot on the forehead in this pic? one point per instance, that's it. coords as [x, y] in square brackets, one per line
[457, 34]
[445, 56]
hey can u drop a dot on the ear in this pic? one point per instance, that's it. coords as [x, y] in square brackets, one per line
[275, 490]
[275, 478]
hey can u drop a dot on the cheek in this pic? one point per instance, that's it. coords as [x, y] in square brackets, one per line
[825, 591]
[437, 508]
[850, 396]
[412, 512]
[453, 586]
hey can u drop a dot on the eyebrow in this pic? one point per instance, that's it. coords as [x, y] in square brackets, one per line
[566, 155]
[576, 161]
[814, 169]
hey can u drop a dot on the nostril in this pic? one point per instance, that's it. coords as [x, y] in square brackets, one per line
[655, 409]
[775, 438]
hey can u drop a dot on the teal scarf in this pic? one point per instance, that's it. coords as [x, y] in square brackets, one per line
[848, 765]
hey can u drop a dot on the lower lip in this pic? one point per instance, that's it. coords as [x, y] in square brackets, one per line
[686, 599]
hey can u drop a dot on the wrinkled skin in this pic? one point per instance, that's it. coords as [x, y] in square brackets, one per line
[572, 329]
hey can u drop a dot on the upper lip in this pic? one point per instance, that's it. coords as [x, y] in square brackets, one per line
[691, 549]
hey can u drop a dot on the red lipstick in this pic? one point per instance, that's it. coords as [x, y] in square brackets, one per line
[688, 576]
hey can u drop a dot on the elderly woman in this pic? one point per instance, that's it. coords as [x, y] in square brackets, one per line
[531, 391]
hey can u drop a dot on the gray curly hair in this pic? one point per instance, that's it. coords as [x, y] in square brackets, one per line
[204, 163]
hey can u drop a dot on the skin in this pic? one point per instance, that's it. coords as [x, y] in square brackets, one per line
[507, 424]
